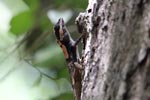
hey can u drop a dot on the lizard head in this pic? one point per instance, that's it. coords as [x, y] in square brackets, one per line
[60, 29]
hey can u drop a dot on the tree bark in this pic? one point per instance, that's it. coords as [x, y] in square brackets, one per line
[116, 57]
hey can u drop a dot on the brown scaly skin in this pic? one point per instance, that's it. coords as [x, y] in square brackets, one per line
[70, 50]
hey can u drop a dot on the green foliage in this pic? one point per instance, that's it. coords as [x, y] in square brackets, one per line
[45, 23]
[42, 74]
[32, 4]
[65, 96]
[15, 6]
[22, 22]
[49, 57]
[71, 3]
[63, 73]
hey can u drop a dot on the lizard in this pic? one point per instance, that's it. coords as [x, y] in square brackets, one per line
[71, 54]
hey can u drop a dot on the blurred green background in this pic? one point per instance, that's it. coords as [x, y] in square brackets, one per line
[32, 66]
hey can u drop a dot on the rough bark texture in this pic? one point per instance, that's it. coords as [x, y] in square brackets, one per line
[117, 51]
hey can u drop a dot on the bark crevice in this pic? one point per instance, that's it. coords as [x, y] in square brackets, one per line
[117, 51]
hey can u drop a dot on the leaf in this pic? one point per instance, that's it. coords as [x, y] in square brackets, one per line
[69, 4]
[38, 81]
[63, 73]
[65, 96]
[13, 6]
[33, 4]
[50, 57]
[21, 22]
[45, 23]
[64, 85]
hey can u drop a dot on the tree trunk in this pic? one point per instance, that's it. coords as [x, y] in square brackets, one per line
[116, 57]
